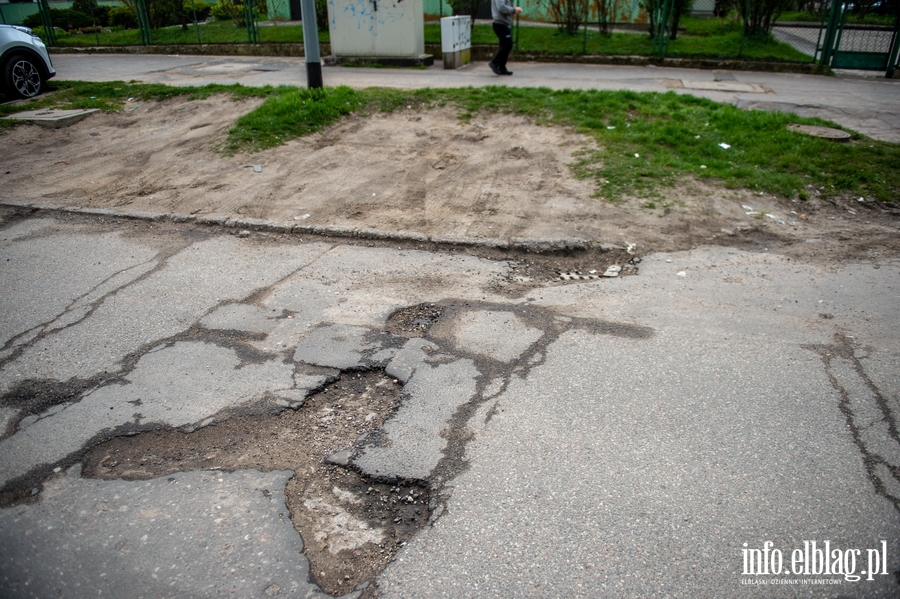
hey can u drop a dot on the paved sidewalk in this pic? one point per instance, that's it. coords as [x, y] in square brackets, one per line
[865, 104]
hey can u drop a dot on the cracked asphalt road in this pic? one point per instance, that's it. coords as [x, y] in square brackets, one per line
[625, 437]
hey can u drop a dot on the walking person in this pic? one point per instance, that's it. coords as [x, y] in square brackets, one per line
[503, 12]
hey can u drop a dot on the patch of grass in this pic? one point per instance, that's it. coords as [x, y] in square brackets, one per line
[290, 114]
[645, 141]
[870, 18]
[216, 32]
[648, 141]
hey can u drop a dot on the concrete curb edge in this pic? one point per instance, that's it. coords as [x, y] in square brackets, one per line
[527, 245]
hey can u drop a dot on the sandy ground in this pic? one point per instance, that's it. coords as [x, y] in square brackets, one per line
[497, 176]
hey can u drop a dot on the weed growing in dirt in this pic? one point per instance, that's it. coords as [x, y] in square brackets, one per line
[645, 141]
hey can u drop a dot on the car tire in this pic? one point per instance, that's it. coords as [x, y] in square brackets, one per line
[22, 77]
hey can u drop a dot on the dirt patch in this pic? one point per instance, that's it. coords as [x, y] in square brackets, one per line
[496, 176]
[351, 527]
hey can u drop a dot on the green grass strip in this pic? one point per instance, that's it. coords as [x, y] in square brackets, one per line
[645, 142]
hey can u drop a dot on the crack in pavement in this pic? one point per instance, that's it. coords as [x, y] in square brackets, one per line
[869, 418]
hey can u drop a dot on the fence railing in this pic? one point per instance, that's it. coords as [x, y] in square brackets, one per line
[625, 29]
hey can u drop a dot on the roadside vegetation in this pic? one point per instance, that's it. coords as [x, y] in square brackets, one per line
[701, 38]
[870, 18]
[645, 141]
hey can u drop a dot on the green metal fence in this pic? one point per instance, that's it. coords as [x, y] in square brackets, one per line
[867, 47]
[624, 29]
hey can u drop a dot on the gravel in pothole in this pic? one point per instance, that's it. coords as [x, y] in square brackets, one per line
[414, 321]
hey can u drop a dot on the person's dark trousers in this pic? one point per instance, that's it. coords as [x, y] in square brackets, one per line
[504, 34]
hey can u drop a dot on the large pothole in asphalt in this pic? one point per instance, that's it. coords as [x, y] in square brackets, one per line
[414, 321]
[351, 526]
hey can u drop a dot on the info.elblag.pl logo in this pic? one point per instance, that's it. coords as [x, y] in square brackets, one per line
[816, 559]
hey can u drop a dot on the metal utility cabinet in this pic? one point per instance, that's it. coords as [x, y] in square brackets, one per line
[456, 41]
[389, 31]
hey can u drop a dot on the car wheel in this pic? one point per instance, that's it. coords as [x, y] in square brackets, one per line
[21, 77]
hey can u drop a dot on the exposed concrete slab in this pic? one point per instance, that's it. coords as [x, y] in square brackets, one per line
[182, 385]
[343, 347]
[194, 534]
[405, 362]
[410, 444]
[307, 303]
[53, 119]
[493, 334]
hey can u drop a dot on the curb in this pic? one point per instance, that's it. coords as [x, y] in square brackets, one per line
[527, 245]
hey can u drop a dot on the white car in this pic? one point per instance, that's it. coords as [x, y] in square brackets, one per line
[25, 64]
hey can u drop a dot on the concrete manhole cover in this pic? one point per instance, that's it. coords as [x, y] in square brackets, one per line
[823, 132]
[53, 119]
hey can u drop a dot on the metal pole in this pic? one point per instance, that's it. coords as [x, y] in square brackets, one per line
[833, 22]
[250, 20]
[311, 44]
[48, 23]
[94, 22]
[517, 33]
[196, 24]
[895, 49]
[143, 20]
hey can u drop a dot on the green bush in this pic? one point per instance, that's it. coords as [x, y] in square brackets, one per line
[164, 13]
[199, 8]
[322, 15]
[90, 7]
[121, 16]
[65, 18]
[233, 10]
[228, 10]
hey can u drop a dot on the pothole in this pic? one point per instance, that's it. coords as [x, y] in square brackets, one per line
[414, 321]
[529, 272]
[351, 526]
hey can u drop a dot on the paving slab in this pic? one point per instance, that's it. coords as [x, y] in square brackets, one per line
[53, 119]
[343, 347]
[412, 442]
[409, 358]
[491, 334]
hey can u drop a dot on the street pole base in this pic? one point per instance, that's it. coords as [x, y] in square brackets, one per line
[314, 75]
